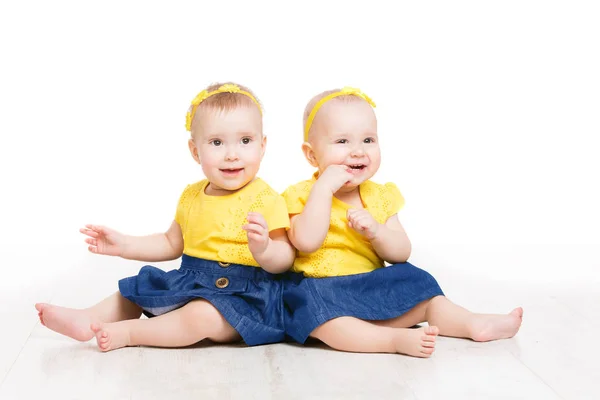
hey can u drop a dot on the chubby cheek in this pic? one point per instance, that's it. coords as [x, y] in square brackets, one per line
[253, 158]
[374, 158]
[210, 159]
[333, 157]
[208, 169]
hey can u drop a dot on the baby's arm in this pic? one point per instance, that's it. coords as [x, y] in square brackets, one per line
[271, 250]
[279, 255]
[391, 241]
[157, 247]
[309, 228]
[151, 248]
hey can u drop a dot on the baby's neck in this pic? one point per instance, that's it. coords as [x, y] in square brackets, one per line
[214, 190]
[351, 197]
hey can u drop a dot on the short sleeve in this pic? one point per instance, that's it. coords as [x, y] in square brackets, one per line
[185, 203]
[276, 213]
[394, 200]
[181, 213]
[296, 196]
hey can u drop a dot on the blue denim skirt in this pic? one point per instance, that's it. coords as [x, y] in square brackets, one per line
[249, 298]
[378, 295]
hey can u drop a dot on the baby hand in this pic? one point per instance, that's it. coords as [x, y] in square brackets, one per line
[103, 240]
[258, 233]
[363, 222]
[334, 177]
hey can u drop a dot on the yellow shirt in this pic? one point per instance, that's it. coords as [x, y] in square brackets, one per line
[212, 225]
[344, 251]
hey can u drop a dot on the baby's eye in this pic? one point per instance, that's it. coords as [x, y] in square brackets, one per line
[370, 140]
[246, 140]
[216, 142]
[342, 141]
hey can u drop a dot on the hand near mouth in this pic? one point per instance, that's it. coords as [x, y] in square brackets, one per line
[335, 176]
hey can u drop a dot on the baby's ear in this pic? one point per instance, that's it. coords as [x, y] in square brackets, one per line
[309, 153]
[263, 146]
[194, 151]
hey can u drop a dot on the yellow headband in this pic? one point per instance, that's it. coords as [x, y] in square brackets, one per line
[203, 95]
[344, 92]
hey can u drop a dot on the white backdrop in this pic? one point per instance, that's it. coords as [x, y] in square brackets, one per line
[489, 112]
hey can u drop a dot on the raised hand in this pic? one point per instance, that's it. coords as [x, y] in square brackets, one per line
[258, 233]
[334, 177]
[103, 240]
[363, 222]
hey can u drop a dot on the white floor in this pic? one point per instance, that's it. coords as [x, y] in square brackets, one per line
[554, 356]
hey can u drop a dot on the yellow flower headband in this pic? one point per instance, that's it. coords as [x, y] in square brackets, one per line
[203, 95]
[344, 92]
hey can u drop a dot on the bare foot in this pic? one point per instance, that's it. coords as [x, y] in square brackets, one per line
[66, 321]
[486, 327]
[417, 342]
[111, 336]
[40, 315]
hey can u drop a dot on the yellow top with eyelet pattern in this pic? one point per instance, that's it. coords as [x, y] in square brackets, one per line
[212, 225]
[344, 251]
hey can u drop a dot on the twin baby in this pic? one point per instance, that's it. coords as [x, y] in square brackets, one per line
[265, 267]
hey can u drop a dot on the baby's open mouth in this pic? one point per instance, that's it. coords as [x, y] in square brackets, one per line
[231, 170]
[357, 166]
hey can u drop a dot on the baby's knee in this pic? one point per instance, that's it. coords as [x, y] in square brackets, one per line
[202, 311]
[205, 317]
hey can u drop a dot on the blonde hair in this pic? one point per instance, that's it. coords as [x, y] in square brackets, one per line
[222, 100]
[346, 98]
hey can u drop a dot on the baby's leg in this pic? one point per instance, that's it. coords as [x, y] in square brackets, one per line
[184, 326]
[75, 323]
[408, 319]
[356, 335]
[456, 321]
